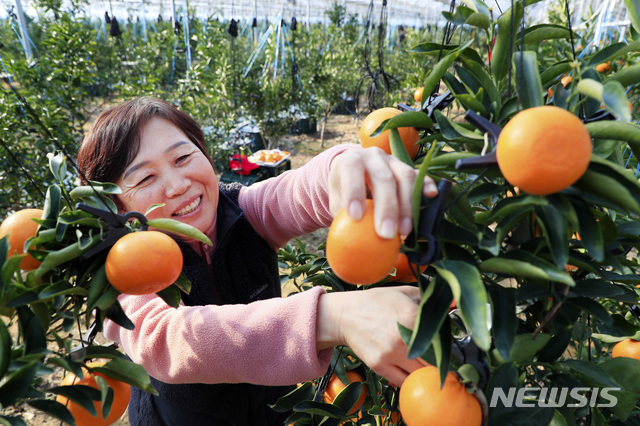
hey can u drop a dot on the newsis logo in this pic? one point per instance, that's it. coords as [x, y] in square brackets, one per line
[554, 397]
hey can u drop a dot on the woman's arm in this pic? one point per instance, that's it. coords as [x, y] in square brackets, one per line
[303, 200]
[294, 203]
[270, 342]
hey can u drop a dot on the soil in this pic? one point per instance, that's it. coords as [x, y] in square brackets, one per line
[339, 129]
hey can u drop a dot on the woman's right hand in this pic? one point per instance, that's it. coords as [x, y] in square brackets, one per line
[367, 322]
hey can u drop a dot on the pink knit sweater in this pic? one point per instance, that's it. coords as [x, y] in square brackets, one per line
[269, 342]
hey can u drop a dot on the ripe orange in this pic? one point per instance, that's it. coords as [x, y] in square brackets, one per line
[20, 227]
[335, 386]
[143, 262]
[121, 396]
[409, 135]
[404, 271]
[566, 80]
[356, 253]
[628, 348]
[417, 95]
[423, 402]
[543, 150]
[603, 67]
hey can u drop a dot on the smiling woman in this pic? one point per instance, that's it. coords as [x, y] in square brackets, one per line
[234, 345]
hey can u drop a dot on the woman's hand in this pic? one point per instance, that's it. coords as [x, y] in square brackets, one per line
[390, 182]
[367, 322]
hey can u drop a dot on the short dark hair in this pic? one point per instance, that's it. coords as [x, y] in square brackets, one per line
[114, 138]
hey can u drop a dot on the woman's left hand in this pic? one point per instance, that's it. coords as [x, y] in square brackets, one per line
[390, 182]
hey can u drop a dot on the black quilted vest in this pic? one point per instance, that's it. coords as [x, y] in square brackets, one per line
[245, 269]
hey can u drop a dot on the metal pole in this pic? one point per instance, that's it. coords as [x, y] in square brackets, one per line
[23, 30]
[144, 21]
[187, 35]
[173, 14]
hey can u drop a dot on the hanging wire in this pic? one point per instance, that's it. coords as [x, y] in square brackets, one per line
[19, 164]
[58, 145]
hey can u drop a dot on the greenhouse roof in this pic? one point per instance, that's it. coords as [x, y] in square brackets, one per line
[400, 12]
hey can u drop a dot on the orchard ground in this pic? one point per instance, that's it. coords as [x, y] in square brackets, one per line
[339, 129]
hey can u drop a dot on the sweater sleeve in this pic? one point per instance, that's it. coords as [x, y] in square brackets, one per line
[269, 342]
[294, 203]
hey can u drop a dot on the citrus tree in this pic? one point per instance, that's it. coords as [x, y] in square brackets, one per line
[534, 247]
[63, 267]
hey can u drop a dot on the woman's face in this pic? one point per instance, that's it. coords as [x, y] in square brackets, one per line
[170, 169]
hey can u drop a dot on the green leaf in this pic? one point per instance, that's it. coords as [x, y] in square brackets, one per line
[433, 79]
[16, 384]
[556, 346]
[633, 7]
[416, 119]
[611, 95]
[525, 265]
[471, 103]
[52, 204]
[437, 49]
[525, 347]
[287, 402]
[128, 372]
[173, 225]
[539, 33]
[551, 75]
[505, 322]
[464, 15]
[53, 409]
[184, 284]
[59, 257]
[82, 395]
[589, 373]
[57, 165]
[479, 73]
[590, 232]
[503, 377]
[608, 129]
[528, 80]
[398, 149]
[97, 286]
[320, 409]
[35, 340]
[433, 309]
[116, 314]
[627, 76]
[6, 343]
[608, 191]
[518, 203]
[348, 397]
[478, 6]
[596, 288]
[591, 307]
[471, 297]
[171, 296]
[442, 347]
[449, 159]
[417, 196]
[500, 59]
[614, 51]
[556, 228]
[455, 131]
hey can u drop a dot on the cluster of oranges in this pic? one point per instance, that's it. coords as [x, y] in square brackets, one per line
[270, 155]
[421, 399]
[161, 267]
